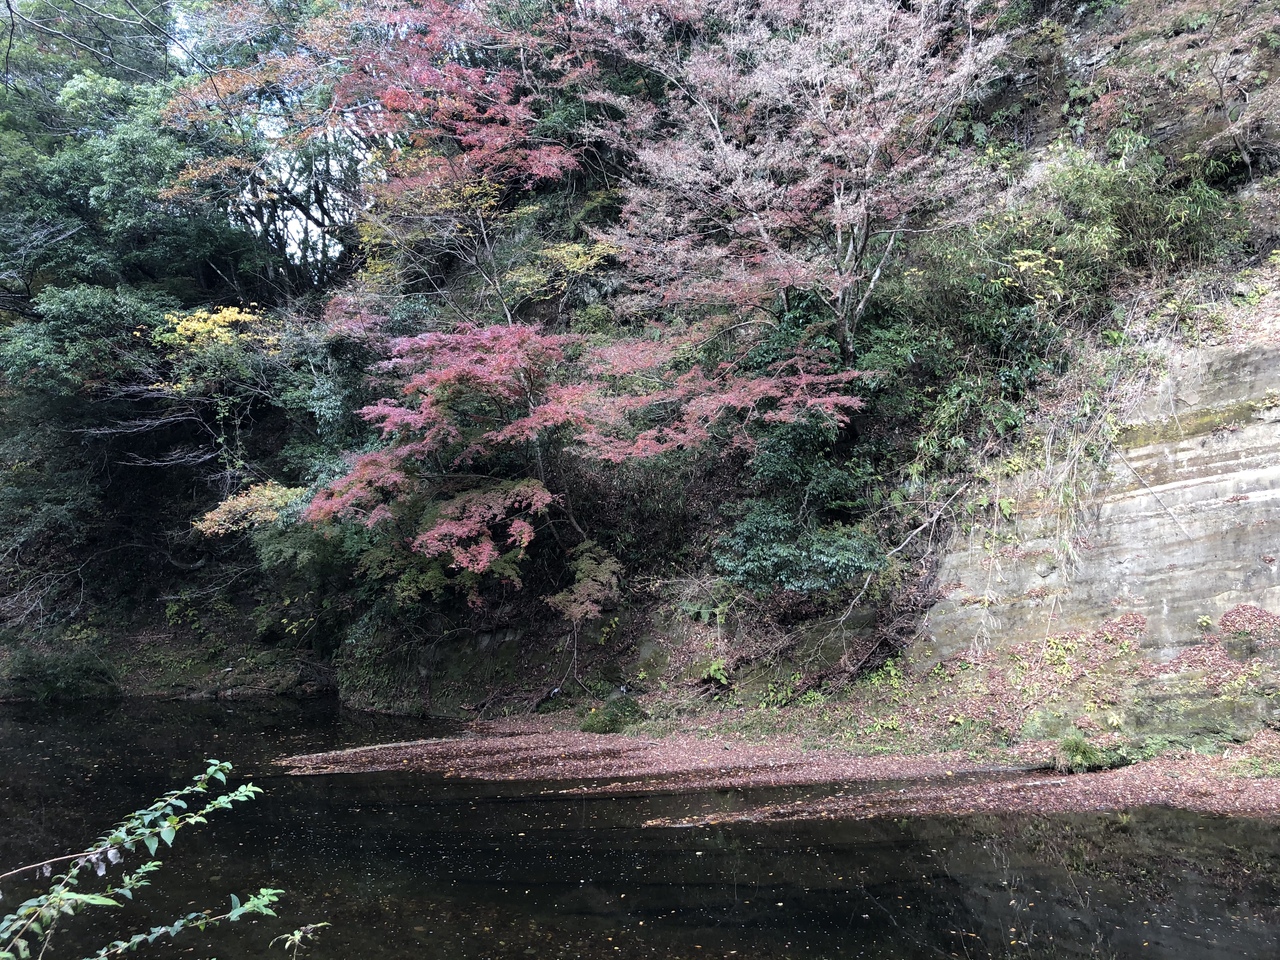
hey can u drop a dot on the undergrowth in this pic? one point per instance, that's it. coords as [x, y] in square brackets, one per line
[48, 675]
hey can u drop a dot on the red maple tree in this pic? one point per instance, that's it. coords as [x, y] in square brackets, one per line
[485, 419]
[767, 154]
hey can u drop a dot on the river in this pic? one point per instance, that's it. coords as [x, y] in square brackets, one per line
[417, 866]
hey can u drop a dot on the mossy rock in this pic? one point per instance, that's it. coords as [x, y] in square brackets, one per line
[1048, 724]
[1223, 717]
[652, 658]
[380, 667]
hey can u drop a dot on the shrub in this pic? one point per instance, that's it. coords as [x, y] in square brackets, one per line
[30, 928]
[771, 548]
[58, 674]
[1075, 754]
[614, 717]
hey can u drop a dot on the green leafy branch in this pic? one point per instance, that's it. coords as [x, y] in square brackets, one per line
[260, 903]
[34, 921]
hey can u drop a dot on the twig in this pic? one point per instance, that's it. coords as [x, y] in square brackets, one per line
[1142, 480]
[911, 536]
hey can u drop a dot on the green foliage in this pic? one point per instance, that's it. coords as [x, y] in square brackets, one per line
[771, 548]
[1257, 767]
[1130, 210]
[889, 676]
[82, 340]
[1075, 754]
[61, 366]
[779, 694]
[812, 698]
[48, 675]
[47, 492]
[29, 929]
[958, 349]
[613, 717]
[89, 205]
[713, 607]
[115, 178]
[969, 325]
[803, 462]
[717, 672]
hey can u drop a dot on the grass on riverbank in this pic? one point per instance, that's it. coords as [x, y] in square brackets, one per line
[1019, 703]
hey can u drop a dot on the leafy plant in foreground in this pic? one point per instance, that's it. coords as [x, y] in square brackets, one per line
[32, 925]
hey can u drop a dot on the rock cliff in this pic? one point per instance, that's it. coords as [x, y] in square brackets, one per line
[1182, 526]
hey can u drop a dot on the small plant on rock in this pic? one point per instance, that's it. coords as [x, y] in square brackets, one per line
[1075, 754]
[717, 673]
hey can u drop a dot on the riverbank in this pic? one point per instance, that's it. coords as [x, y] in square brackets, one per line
[1240, 781]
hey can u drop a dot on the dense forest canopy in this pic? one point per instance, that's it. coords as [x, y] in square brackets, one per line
[378, 316]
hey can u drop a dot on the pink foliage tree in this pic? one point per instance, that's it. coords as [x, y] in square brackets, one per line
[676, 410]
[771, 152]
[485, 419]
[471, 402]
[792, 145]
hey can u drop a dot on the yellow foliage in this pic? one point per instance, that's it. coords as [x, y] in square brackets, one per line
[1040, 273]
[576, 259]
[259, 504]
[558, 264]
[221, 326]
[206, 345]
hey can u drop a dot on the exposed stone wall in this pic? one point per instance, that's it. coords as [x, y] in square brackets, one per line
[1184, 525]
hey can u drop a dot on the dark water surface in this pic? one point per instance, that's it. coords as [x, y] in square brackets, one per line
[415, 866]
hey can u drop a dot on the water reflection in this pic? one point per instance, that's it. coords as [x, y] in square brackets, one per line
[407, 865]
